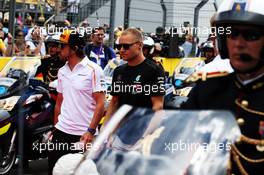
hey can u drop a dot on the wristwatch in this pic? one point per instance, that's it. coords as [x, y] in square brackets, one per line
[91, 130]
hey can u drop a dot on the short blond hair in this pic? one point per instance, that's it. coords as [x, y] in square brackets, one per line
[212, 20]
[135, 32]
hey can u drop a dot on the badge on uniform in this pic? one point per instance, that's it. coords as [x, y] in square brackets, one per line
[261, 132]
[239, 5]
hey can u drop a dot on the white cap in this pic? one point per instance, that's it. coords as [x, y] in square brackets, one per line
[148, 41]
[255, 6]
[68, 163]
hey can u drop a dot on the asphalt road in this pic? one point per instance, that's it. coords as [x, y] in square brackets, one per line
[36, 167]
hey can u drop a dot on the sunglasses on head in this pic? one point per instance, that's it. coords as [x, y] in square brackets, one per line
[248, 35]
[125, 46]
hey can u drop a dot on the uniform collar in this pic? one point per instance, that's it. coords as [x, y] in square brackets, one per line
[252, 85]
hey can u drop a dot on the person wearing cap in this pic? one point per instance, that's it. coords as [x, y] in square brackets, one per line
[241, 92]
[149, 49]
[207, 51]
[50, 65]
[80, 102]
[217, 64]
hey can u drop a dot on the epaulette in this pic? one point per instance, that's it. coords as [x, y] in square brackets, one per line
[204, 76]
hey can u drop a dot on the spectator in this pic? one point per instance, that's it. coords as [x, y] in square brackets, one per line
[72, 9]
[2, 44]
[19, 47]
[35, 42]
[187, 45]
[97, 51]
[28, 25]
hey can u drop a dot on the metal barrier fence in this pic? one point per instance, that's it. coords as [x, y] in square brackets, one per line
[146, 14]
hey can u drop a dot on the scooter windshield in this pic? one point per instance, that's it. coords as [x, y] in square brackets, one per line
[165, 142]
[186, 67]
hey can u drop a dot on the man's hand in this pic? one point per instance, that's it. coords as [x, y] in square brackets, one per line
[157, 103]
[87, 138]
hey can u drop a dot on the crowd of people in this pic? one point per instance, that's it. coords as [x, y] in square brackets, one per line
[78, 62]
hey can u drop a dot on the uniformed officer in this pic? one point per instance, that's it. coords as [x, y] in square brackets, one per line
[241, 92]
[48, 70]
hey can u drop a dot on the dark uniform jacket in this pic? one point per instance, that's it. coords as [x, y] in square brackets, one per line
[49, 68]
[246, 102]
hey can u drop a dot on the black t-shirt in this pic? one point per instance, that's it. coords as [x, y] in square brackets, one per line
[49, 68]
[134, 85]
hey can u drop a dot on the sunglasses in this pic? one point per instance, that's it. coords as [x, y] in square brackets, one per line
[248, 35]
[125, 46]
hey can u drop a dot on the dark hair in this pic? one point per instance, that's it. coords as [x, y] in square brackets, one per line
[78, 50]
[17, 31]
[80, 53]
[77, 43]
[96, 29]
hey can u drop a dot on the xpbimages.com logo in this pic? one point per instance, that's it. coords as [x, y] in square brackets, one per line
[174, 31]
[57, 146]
[174, 147]
[53, 30]
[120, 87]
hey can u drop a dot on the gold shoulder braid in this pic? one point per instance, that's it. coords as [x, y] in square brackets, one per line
[251, 141]
[247, 109]
[204, 76]
[259, 143]
[51, 77]
[235, 150]
[236, 154]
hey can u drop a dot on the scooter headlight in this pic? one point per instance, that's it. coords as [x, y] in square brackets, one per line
[178, 83]
[3, 90]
